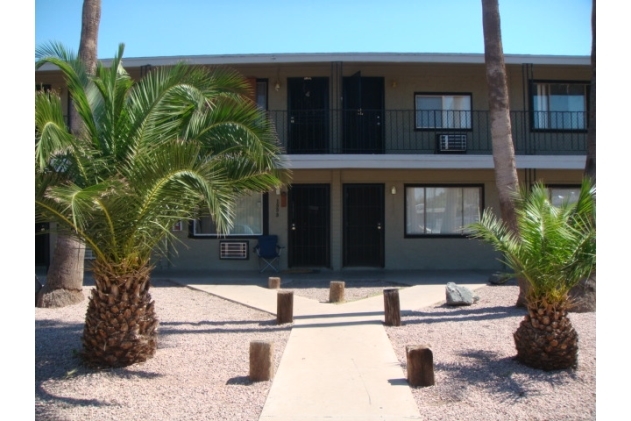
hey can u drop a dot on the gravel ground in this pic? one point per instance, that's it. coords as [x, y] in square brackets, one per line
[476, 377]
[199, 372]
[201, 366]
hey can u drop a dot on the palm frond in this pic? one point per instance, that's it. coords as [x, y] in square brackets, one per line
[555, 247]
[149, 153]
[51, 134]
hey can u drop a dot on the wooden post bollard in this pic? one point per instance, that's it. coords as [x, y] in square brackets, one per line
[285, 307]
[336, 291]
[392, 308]
[261, 356]
[420, 360]
[273, 283]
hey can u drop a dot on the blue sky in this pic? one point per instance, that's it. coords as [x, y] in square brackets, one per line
[198, 27]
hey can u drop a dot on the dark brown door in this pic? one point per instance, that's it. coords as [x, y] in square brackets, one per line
[364, 225]
[309, 225]
[308, 105]
[363, 101]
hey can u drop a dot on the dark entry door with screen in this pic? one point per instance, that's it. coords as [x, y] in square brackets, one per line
[309, 220]
[363, 114]
[363, 225]
[308, 105]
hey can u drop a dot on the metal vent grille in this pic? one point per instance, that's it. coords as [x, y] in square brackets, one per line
[233, 250]
[452, 142]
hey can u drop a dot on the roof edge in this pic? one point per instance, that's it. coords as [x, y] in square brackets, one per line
[286, 58]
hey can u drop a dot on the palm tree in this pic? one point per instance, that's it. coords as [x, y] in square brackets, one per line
[554, 250]
[150, 153]
[65, 274]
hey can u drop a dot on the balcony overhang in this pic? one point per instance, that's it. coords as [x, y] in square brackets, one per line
[421, 162]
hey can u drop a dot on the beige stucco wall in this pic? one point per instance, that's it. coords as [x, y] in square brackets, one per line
[400, 252]
[401, 81]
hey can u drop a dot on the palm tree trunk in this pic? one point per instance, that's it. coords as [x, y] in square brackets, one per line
[546, 339]
[90, 20]
[66, 269]
[590, 162]
[501, 136]
[64, 280]
[120, 323]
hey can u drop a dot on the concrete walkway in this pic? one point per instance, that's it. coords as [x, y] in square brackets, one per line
[338, 363]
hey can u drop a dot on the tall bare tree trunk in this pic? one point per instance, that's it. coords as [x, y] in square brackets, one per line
[64, 279]
[499, 106]
[61, 288]
[590, 163]
[90, 20]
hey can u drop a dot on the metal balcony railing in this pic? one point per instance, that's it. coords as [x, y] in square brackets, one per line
[425, 132]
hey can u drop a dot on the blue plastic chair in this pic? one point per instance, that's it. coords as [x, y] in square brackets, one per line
[269, 252]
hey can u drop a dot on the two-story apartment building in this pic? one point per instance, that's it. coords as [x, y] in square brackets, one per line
[390, 153]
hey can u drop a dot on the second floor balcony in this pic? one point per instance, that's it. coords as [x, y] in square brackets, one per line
[360, 131]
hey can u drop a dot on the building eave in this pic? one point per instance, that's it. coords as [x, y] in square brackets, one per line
[296, 58]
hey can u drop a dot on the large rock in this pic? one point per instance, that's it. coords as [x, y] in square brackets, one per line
[459, 296]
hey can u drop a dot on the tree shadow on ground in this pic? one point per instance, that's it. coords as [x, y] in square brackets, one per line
[461, 314]
[57, 357]
[504, 377]
[228, 326]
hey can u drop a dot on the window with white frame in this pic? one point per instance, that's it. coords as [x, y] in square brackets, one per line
[248, 219]
[442, 111]
[560, 106]
[563, 194]
[441, 210]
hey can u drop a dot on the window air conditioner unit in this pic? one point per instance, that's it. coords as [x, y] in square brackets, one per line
[229, 250]
[452, 142]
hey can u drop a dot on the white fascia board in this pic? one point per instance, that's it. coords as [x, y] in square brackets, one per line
[551, 162]
[298, 162]
[232, 59]
[438, 161]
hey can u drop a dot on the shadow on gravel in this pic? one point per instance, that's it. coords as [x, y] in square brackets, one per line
[461, 314]
[57, 358]
[240, 381]
[239, 326]
[56, 351]
[506, 377]
[44, 413]
[271, 323]
[42, 395]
